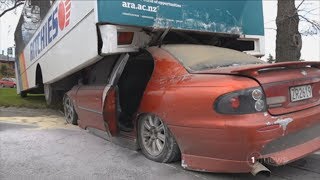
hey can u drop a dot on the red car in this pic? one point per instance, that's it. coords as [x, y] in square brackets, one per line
[217, 109]
[8, 82]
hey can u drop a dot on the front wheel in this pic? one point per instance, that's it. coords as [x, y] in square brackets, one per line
[69, 111]
[156, 141]
[23, 94]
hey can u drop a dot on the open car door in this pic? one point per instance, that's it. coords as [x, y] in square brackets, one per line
[110, 104]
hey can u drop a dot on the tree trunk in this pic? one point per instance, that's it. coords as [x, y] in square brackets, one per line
[288, 43]
[18, 38]
[44, 8]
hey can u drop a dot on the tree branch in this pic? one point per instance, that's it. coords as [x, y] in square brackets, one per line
[309, 11]
[300, 4]
[313, 23]
[17, 3]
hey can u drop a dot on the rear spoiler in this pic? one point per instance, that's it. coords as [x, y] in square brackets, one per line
[254, 70]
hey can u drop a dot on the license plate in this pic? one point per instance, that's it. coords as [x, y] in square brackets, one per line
[299, 93]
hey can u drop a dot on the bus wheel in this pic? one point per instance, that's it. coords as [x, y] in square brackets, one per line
[69, 111]
[51, 95]
[23, 94]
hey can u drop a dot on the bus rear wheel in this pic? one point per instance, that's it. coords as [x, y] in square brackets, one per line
[51, 95]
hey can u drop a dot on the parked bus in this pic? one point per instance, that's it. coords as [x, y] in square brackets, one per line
[69, 36]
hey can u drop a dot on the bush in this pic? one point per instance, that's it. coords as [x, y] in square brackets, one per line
[6, 71]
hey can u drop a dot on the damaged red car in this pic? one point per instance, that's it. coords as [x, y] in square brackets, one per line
[216, 109]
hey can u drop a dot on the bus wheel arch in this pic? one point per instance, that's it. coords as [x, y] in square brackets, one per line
[39, 77]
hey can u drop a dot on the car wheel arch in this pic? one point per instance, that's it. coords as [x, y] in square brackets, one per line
[140, 115]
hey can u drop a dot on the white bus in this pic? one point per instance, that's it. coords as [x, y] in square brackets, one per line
[70, 36]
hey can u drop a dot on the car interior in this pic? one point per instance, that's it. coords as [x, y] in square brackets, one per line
[131, 86]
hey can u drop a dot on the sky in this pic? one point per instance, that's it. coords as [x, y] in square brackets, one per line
[8, 24]
[310, 44]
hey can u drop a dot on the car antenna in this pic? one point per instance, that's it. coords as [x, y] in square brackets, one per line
[163, 36]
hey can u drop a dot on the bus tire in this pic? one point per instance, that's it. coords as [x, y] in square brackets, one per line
[23, 94]
[51, 95]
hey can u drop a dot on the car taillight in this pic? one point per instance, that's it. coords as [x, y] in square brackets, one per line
[241, 102]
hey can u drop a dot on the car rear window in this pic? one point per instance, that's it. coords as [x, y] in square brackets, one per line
[203, 57]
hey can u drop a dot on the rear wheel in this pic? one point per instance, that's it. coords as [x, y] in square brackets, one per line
[156, 141]
[1, 85]
[69, 111]
[51, 95]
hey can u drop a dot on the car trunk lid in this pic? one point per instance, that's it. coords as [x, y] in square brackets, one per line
[288, 87]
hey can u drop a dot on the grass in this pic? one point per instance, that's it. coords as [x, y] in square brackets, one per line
[10, 98]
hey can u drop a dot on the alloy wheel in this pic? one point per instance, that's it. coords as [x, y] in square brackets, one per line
[68, 110]
[153, 135]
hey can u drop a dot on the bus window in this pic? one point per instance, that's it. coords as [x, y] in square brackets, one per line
[32, 15]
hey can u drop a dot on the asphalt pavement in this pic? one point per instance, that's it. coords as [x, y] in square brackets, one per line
[37, 144]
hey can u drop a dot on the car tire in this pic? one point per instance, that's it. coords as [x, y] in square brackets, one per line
[70, 114]
[156, 141]
[1, 86]
[14, 86]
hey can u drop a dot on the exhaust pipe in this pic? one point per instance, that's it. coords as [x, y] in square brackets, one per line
[258, 168]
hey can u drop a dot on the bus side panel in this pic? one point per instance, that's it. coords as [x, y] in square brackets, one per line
[74, 52]
[231, 17]
[65, 42]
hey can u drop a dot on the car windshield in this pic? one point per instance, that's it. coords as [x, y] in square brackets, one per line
[202, 57]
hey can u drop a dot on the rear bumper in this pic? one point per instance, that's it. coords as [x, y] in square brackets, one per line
[208, 164]
[275, 140]
[291, 154]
